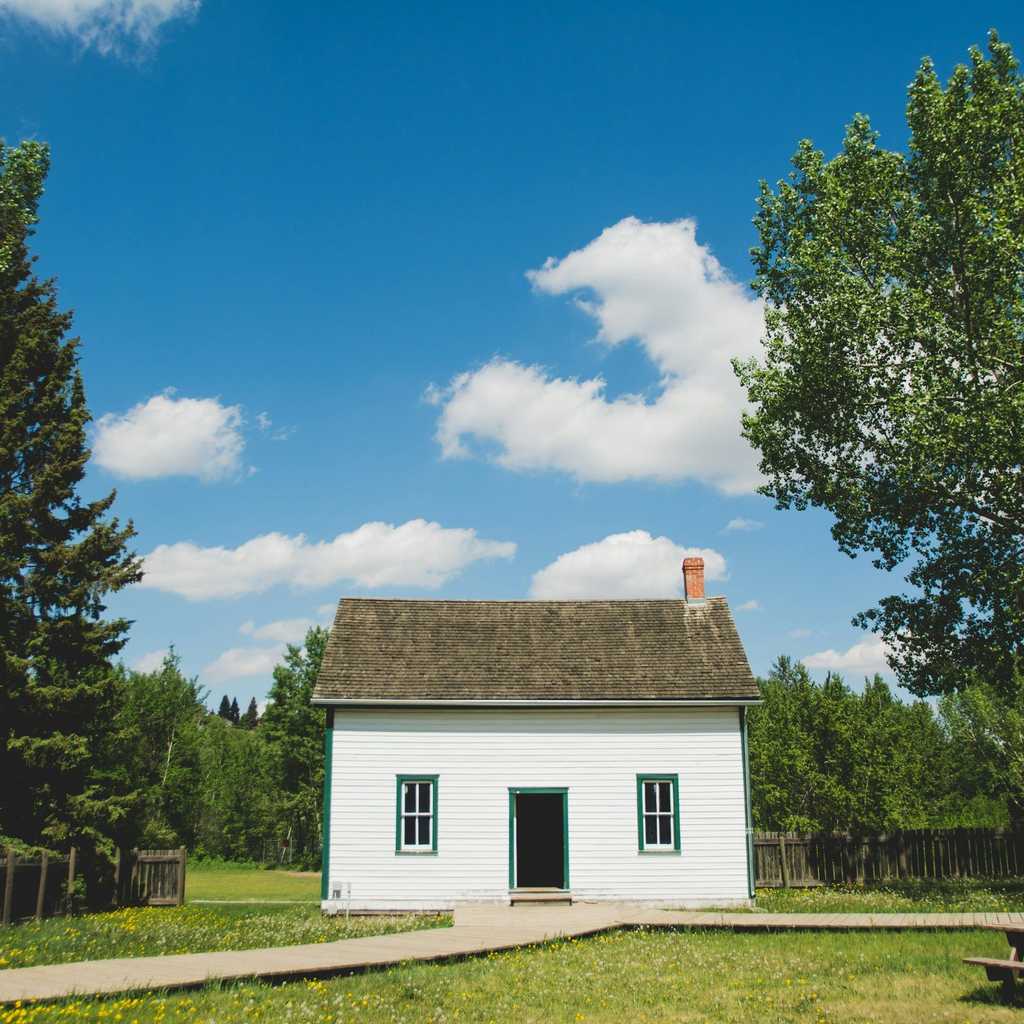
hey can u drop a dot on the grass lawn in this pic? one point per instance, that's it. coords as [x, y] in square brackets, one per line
[152, 931]
[231, 882]
[921, 897]
[899, 978]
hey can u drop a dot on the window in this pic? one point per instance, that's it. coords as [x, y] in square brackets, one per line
[416, 814]
[657, 808]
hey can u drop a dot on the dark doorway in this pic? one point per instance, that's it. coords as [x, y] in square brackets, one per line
[540, 840]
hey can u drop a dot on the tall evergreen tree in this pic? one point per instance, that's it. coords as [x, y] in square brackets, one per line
[234, 714]
[60, 556]
[251, 718]
[225, 708]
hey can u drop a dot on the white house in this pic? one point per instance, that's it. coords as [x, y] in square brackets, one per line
[592, 750]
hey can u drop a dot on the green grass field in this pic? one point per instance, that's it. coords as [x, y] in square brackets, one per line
[911, 977]
[920, 897]
[899, 978]
[228, 882]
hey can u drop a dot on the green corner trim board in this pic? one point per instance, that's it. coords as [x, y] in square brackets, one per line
[325, 834]
[748, 821]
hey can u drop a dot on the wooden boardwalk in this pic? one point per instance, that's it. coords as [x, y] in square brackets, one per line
[477, 930]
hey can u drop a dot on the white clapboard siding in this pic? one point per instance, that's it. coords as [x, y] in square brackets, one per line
[596, 753]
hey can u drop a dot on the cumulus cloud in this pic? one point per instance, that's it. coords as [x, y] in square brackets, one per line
[414, 554]
[105, 25]
[283, 631]
[240, 662]
[623, 565]
[150, 661]
[168, 436]
[867, 656]
[741, 525]
[652, 283]
[749, 606]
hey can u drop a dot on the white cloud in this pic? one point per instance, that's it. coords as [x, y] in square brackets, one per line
[739, 524]
[649, 283]
[263, 421]
[240, 662]
[749, 606]
[168, 436]
[867, 656]
[415, 554]
[150, 661]
[327, 611]
[103, 24]
[283, 631]
[623, 565]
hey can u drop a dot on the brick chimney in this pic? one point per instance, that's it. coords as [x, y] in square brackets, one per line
[693, 579]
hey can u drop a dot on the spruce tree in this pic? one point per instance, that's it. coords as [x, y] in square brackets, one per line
[225, 708]
[251, 718]
[60, 556]
[234, 714]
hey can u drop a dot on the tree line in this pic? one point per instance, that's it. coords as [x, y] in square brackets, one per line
[824, 757]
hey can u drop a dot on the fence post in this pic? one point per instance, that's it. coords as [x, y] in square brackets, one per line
[69, 901]
[181, 876]
[782, 860]
[44, 865]
[9, 885]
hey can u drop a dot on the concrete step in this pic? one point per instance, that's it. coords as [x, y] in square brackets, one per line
[545, 897]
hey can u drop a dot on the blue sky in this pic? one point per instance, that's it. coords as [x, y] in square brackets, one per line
[349, 282]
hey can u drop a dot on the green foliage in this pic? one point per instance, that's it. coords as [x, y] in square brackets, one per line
[892, 386]
[160, 724]
[60, 557]
[293, 729]
[824, 758]
[251, 718]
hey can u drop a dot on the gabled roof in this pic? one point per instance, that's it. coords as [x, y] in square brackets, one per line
[534, 651]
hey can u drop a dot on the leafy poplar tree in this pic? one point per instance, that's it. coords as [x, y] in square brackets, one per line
[60, 556]
[891, 391]
[294, 731]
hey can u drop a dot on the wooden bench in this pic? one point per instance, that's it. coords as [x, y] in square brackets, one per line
[1006, 970]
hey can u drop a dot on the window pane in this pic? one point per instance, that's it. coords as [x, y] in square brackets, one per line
[650, 830]
[424, 831]
[424, 788]
[409, 791]
[664, 796]
[650, 796]
[664, 830]
[409, 832]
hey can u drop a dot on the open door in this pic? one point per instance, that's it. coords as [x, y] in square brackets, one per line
[539, 837]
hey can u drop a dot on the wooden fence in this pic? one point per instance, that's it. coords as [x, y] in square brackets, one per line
[42, 885]
[788, 859]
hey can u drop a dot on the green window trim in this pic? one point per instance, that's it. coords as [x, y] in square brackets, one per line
[673, 779]
[325, 832]
[416, 851]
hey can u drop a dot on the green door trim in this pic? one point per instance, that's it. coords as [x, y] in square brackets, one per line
[513, 791]
[325, 830]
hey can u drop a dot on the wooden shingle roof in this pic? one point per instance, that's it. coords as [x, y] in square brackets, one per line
[423, 651]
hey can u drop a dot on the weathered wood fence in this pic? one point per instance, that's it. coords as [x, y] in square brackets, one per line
[789, 859]
[42, 885]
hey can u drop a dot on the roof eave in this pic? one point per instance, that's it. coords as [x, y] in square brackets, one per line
[560, 703]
